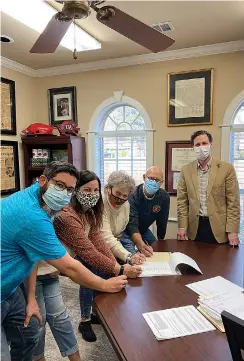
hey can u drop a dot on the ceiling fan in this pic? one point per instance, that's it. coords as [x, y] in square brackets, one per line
[110, 16]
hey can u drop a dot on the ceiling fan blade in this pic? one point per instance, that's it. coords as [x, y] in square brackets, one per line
[51, 36]
[133, 29]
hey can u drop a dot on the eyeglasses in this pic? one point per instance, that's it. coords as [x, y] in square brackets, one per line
[155, 179]
[60, 186]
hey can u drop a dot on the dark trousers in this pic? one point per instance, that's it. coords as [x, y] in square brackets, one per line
[22, 340]
[204, 232]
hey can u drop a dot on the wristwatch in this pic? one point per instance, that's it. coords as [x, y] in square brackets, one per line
[121, 272]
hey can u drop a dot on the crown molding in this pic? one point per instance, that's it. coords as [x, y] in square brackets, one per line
[205, 50]
[13, 65]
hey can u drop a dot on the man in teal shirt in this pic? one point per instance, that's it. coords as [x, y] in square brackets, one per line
[28, 236]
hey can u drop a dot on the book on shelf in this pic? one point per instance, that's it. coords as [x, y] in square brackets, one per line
[60, 154]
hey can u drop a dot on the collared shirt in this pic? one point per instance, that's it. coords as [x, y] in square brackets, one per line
[203, 177]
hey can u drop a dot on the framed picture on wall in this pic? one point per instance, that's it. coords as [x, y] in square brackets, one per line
[8, 108]
[190, 98]
[62, 105]
[177, 154]
[10, 181]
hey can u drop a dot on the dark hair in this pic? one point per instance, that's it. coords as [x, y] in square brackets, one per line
[53, 168]
[201, 132]
[86, 176]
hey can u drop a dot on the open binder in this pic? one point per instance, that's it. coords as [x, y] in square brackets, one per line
[166, 264]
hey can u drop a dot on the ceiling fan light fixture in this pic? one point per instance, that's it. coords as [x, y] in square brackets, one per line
[37, 13]
[76, 10]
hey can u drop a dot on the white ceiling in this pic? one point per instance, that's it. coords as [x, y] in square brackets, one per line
[196, 23]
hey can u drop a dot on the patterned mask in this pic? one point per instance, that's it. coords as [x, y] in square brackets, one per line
[87, 200]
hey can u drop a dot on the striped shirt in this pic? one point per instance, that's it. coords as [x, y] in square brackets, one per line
[203, 176]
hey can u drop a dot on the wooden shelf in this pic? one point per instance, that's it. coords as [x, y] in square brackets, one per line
[75, 147]
[35, 168]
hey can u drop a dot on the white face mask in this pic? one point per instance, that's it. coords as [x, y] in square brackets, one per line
[203, 152]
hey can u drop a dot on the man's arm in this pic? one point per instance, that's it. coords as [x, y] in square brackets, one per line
[232, 202]
[182, 208]
[182, 202]
[81, 275]
[133, 225]
[32, 308]
[162, 219]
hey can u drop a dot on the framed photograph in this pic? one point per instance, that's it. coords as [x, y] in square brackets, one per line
[177, 154]
[62, 105]
[10, 181]
[190, 98]
[8, 107]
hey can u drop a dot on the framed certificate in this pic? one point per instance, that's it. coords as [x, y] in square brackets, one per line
[10, 181]
[178, 154]
[8, 109]
[190, 98]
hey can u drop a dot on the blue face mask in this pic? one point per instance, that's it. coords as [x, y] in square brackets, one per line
[151, 186]
[54, 199]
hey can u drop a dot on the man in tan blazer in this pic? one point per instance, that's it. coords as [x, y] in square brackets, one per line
[208, 200]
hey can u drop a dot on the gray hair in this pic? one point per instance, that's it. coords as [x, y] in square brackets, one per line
[121, 179]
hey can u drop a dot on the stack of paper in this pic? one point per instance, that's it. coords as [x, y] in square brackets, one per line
[170, 265]
[213, 306]
[177, 322]
[214, 285]
[217, 295]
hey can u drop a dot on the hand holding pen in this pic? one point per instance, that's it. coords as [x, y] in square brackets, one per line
[146, 249]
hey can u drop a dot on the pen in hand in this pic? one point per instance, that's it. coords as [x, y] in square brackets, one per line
[148, 245]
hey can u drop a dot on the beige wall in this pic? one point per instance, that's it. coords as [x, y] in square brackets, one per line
[148, 85]
[25, 108]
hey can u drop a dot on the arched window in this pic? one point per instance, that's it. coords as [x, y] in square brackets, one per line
[120, 138]
[237, 155]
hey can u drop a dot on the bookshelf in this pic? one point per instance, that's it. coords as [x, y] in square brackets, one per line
[73, 147]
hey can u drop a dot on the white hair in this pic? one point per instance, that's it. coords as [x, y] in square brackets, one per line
[121, 179]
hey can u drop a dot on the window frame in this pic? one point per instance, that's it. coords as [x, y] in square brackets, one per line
[118, 99]
[228, 126]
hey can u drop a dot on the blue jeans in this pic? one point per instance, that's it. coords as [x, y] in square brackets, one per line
[128, 244]
[22, 340]
[53, 311]
[86, 294]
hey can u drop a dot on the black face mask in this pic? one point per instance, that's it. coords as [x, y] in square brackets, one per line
[118, 201]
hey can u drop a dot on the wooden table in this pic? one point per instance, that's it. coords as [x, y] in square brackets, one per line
[121, 313]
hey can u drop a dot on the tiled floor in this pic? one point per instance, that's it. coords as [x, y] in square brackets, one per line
[101, 350]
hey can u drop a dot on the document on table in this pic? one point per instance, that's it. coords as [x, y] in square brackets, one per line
[214, 285]
[177, 322]
[169, 267]
[150, 269]
[159, 257]
[217, 295]
[216, 304]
